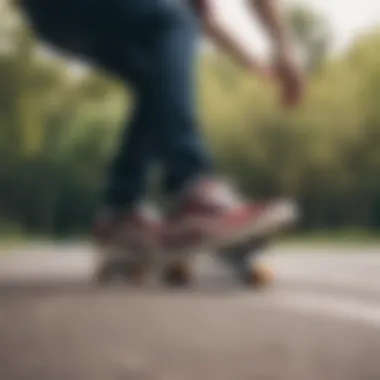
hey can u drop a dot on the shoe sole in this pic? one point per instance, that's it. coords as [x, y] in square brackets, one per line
[279, 217]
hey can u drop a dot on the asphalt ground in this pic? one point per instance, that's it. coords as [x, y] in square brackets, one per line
[319, 320]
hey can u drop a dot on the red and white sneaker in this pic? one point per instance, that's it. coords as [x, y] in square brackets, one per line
[212, 216]
[137, 230]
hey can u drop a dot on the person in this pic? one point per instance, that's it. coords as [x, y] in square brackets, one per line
[151, 46]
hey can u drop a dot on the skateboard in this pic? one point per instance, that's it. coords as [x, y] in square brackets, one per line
[175, 269]
[243, 260]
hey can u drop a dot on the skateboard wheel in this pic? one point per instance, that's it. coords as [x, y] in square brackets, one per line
[259, 276]
[177, 274]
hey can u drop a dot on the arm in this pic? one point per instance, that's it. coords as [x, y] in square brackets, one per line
[228, 43]
[271, 16]
[286, 69]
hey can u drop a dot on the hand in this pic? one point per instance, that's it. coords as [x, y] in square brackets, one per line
[262, 71]
[291, 79]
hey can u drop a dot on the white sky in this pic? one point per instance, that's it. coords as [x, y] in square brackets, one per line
[348, 18]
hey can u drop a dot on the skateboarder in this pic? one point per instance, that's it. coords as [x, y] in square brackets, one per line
[151, 46]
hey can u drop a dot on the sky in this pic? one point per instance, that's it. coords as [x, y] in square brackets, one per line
[348, 18]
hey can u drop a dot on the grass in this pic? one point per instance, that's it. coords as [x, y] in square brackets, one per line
[12, 240]
[334, 237]
[11, 237]
[341, 237]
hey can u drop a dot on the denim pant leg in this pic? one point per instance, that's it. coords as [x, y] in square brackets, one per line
[164, 127]
[171, 100]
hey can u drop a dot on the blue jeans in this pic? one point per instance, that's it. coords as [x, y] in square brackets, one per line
[151, 45]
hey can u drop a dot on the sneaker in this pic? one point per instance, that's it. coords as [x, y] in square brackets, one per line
[136, 230]
[210, 215]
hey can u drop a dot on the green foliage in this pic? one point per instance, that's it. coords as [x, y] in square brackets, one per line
[313, 35]
[57, 131]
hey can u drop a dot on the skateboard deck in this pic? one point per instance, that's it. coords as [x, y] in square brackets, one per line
[242, 259]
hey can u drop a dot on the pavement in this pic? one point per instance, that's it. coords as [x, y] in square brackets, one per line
[319, 321]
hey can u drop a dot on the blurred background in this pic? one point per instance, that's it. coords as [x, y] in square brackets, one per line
[60, 119]
[59, 122]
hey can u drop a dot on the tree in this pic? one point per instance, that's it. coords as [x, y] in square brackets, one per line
[313, 33]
